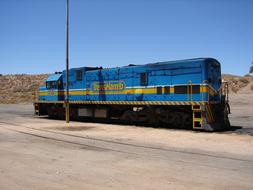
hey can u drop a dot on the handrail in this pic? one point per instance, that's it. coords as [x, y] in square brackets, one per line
[189, 90]
[225, 90]
[202, 86]
[36, 95]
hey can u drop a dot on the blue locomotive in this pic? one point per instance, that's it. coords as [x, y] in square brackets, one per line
[184, 93]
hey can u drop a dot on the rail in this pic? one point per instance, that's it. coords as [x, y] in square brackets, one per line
[189, 90]
[204, 82]
[224, 91]
[36, 95]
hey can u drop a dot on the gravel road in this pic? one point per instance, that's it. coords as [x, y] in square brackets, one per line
[38, 153]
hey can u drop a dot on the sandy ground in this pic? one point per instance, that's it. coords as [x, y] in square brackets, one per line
[242, 111]
[37, 153]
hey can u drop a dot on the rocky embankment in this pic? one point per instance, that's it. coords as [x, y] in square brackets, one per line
[19, 88]
[238, 84]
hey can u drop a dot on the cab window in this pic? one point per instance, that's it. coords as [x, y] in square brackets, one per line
[60, 84]
[47, 85]
[53, 84]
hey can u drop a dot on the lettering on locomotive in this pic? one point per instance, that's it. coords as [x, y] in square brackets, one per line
[108, 86]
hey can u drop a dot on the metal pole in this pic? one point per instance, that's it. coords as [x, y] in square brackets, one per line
[67, 64]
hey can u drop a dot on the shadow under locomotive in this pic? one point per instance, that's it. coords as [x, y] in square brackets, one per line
[175, 117]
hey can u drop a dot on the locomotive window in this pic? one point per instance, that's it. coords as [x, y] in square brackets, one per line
[53, 85]
[60, 84]
[143, 78]
[195, 89]
[159, 90]
[167, 90]
[180, 89]
[79, 75]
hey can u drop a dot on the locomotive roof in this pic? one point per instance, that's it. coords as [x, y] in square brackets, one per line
[186, 61]
[53, 77]
[182, 61]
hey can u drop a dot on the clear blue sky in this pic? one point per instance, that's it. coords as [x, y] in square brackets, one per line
[112, 33]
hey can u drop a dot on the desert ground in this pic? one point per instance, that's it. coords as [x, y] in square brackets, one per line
[38, 153]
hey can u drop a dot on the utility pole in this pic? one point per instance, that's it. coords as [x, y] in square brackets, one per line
[67, 63]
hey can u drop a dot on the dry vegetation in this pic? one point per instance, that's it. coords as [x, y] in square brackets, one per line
[238, 83]
[21, 88]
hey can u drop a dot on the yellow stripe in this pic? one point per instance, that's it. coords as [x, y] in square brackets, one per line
[125, 91]
[210, 111]
[203, 89]
[129, 102]
[208, 117]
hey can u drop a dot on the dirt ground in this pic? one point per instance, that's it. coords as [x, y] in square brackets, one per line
[38, 153]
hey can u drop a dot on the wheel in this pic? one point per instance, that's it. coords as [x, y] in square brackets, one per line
[127, 117]
[187, 120]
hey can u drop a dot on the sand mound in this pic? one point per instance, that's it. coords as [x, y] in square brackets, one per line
[239, 83]
[19, 88]
[247, 90]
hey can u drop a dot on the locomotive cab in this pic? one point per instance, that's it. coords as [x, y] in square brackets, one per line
[53, 91]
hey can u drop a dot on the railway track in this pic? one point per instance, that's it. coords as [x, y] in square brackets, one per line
[50, 138]
[103, 144]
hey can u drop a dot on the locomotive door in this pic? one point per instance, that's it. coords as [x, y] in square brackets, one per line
[88, 88]
[102, 78]
[118, 91]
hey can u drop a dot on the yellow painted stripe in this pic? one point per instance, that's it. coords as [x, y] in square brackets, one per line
[210, 112]
[203, 89]
[208, 117]
[177, 103]
[126, 91]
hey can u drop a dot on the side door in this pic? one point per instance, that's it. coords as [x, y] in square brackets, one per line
[88, 90]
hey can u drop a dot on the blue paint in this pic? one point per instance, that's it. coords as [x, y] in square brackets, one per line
[171, 73]
[54, 77]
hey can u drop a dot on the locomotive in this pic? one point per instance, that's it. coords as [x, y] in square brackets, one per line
[178, 94]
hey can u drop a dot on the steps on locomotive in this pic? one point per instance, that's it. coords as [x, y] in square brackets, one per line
[210, 117]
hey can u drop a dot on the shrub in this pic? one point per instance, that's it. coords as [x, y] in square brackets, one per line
[244, 80]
